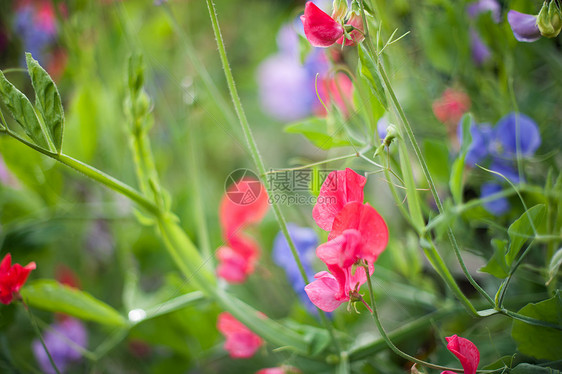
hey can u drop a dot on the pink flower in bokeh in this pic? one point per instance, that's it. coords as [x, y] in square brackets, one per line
[320, 29]
[241, 342]
[339, 188]
[451, 106]
[279, 370]
[244, 203]
[336, 89]
[466, 352]
[12, 278]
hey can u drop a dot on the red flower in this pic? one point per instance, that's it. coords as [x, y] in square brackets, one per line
[369, 223]
[339, 188]
[466, 352]
[337, 89]
[451, 106]
[12, 278]
[244, 203]
[320, 29]
[241, 342]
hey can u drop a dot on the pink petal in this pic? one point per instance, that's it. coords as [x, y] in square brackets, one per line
[342, 251]
[365, 219]
[339, 188]
[245, 202]
[466, 352]
[320, 29]
[232, 266]
[6, 264]
[241, 342]
[356, 36]
[322, 292]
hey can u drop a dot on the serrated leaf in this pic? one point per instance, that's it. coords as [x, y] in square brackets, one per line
[23, 112]
[47, 101]
[554, 265]
[497, 265]
[52, 296]
[539, 341]
[521, 229]
[368, 70]
[316, 130]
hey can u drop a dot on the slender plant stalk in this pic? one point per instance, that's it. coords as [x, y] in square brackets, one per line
[406, 124]
[256, 155]
[40, 336]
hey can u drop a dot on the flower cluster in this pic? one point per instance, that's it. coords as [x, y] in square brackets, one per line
[12, 278]
[241, 342]
[323, 30]
[514, 134]
[357, 233]
[305, 241]
[465, 351]
[244, 203]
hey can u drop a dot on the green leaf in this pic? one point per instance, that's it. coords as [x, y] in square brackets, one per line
[539, 341]
[47, 101]
[555, 263]
[368, 70]
[456, 179]
[521, 229]
[414, 206]
[21, 109]
[316, 130]
[497, 265]
[52, 296]
[533, 369]
[437, 158]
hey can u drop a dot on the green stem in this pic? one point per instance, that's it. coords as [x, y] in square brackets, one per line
[400, 112]
[256, 155]
[384, 335]
[38, 332]
[530, 320]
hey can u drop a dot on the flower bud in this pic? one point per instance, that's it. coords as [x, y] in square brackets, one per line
[340, 10]
[549, 20]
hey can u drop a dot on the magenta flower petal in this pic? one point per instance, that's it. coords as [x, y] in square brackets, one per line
[466, 352]
[365, 219]
[320, 29]
[339, 188]
[323, 292]
[342, 251]
[524, 26]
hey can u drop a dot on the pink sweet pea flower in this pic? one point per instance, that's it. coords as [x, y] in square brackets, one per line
[339, 188]
[12, 278]
[241, 342]
[237, 261]
[466, 352]
[320, 29]
[244, 203]
[357, 36]
[336, 89]
[451, 106]
[279, 370]
[368, 222]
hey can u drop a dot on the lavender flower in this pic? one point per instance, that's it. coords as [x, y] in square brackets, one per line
[478, 148]
[305, 240]
[514, 133]
[61, 342]
[480, 51]
[524, 26]
[482, 6]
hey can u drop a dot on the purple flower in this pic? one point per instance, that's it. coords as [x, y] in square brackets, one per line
[507, 169]
[478, 148]
[286, 86]
[514, 133]
[305, 240]
[497, 206]
[62, 342]
[382, 126]
[482, 6]
[524, 26]
[37, 28]
[480, 51]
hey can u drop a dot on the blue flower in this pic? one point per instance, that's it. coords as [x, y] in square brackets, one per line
[515, 132]
[480, 51]
[305, 240]
[478, 149]
[497, 206]
[482, 6]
